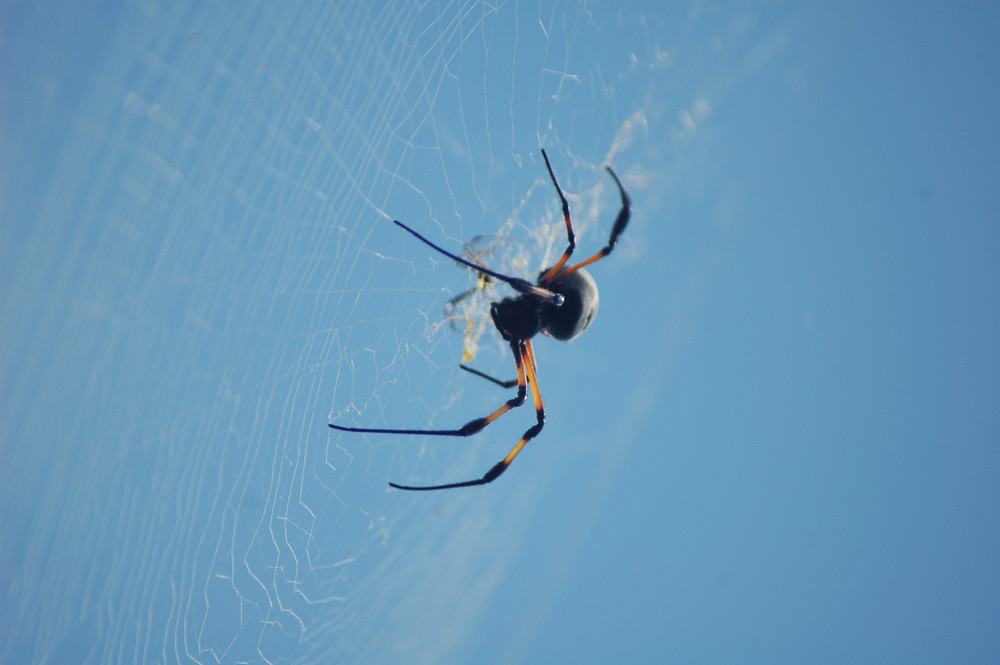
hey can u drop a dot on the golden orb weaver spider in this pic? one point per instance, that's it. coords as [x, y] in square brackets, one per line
[561, 304]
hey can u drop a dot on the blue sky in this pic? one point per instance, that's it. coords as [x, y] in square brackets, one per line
[776, 444]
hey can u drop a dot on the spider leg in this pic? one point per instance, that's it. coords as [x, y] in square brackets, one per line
[469, 428]
[502, 384]
[620, 223]
[518, 284]
[554, 270]
[529, 370]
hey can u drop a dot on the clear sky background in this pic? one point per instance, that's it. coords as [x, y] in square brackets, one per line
[778, 443]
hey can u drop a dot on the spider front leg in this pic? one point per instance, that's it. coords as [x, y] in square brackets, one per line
[570, 235]
[518, 284]
[624, 214]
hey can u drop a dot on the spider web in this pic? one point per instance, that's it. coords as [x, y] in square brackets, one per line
[227, 280]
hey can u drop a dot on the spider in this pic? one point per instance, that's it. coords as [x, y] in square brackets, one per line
[561, 304]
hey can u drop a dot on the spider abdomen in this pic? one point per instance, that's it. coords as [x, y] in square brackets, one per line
[566, 321]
